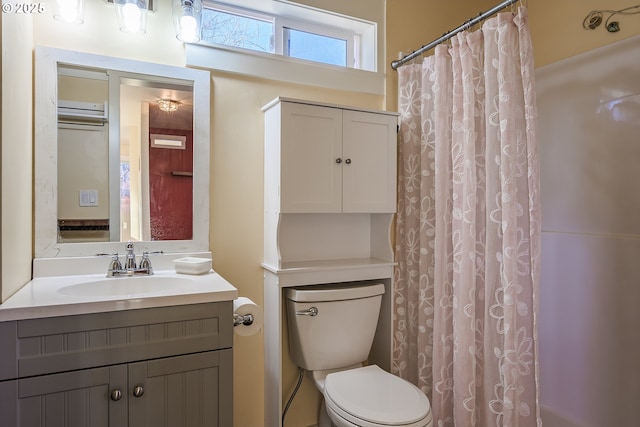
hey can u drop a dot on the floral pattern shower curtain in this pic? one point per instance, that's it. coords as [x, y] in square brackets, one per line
[468, 228]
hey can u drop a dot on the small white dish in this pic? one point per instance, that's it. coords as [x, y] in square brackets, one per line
[192, 265]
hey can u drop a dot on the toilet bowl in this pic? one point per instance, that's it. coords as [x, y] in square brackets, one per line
[372, 397]
[331, 330]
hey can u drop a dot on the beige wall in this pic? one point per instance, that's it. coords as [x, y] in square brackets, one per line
[236, 124]
[83, 164]
[16, 205]
[237, 216]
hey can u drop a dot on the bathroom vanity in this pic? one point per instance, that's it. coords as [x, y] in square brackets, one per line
[78, 348]
[155, 358]
[330, 198]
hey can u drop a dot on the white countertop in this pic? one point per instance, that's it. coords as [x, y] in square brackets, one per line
[51, 296]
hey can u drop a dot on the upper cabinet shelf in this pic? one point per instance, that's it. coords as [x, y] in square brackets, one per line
[330, 191]
[329, 159]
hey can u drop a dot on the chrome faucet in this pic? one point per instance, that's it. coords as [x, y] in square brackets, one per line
[130, 268]
[130, 261]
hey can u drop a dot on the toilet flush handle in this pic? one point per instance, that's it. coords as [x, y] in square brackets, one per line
[313, 311]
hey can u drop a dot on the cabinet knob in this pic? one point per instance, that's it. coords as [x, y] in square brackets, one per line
[339, 160]
[348, 161]
[116, 395]
[138, 391]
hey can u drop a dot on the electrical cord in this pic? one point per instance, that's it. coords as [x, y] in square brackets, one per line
[595, 17]
[295, 390]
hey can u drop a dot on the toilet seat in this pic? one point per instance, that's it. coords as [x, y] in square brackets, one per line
[372, 397]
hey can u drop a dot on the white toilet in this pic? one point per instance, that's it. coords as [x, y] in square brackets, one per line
[331, 329]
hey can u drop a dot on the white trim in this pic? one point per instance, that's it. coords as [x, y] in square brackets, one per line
[280, 68]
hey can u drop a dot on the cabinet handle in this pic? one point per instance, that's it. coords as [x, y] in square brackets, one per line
[348, 161]
[116, 395]
[339, 160]
[138, 391]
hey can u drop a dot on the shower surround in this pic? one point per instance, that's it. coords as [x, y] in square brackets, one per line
[589, 127]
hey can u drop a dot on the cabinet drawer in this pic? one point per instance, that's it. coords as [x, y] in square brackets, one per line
[66, 343]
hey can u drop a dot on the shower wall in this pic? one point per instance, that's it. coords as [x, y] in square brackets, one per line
[589, 318]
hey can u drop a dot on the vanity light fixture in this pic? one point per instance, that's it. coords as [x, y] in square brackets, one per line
[70, 11]
[132, 15]
[187, 15]
[168, 105]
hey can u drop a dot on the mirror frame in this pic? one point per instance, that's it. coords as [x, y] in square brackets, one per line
[46, 152]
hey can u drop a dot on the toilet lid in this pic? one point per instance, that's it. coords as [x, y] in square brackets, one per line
[376, 396]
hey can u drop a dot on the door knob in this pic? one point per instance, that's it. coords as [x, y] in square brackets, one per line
[116, 395]
[339, 160]
[138, 391]
[348, 161]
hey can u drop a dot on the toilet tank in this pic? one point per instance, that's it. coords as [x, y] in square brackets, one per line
[342, 331]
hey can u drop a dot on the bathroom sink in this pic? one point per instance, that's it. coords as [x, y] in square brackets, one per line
[126, 286]
[64, 295]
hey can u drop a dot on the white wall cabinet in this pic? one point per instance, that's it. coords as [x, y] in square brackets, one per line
[332, 159]
[330, 197]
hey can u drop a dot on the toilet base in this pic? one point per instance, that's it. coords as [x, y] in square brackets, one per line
[323, 418]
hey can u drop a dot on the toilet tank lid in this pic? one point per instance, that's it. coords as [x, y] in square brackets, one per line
[334, 292]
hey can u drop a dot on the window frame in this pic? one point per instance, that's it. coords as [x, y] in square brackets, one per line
[363, 55]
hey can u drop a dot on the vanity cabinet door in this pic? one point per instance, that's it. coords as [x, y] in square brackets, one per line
[195, 390]
[70, 399]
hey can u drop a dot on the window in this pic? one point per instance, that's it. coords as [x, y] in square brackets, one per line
[232, 29]
[315, 47]
[248, 29]
[287, 41]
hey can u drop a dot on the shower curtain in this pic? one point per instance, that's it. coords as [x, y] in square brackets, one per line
[468, 228]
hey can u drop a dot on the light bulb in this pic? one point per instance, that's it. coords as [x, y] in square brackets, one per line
[186, 20]
[188, 28]
[70, 11]
[131, 14]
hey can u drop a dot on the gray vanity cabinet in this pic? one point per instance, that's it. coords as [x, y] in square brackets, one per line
[166, 366]
[75, 398]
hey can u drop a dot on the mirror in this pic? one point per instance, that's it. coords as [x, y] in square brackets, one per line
[121, 153]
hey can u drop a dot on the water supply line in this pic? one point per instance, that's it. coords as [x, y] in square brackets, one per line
[295, 391]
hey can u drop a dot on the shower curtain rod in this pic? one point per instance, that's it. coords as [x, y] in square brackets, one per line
[447, 36]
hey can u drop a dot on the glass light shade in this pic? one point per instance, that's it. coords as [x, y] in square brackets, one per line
[168, 105]
[132, 15]
[187, 15]
[71, 11]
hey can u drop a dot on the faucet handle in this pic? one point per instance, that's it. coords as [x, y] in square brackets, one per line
[114, 265]
[145, 263]
[115, 261]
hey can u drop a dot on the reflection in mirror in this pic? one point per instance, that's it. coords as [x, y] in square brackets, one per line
[156, 189]
[127, 162]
